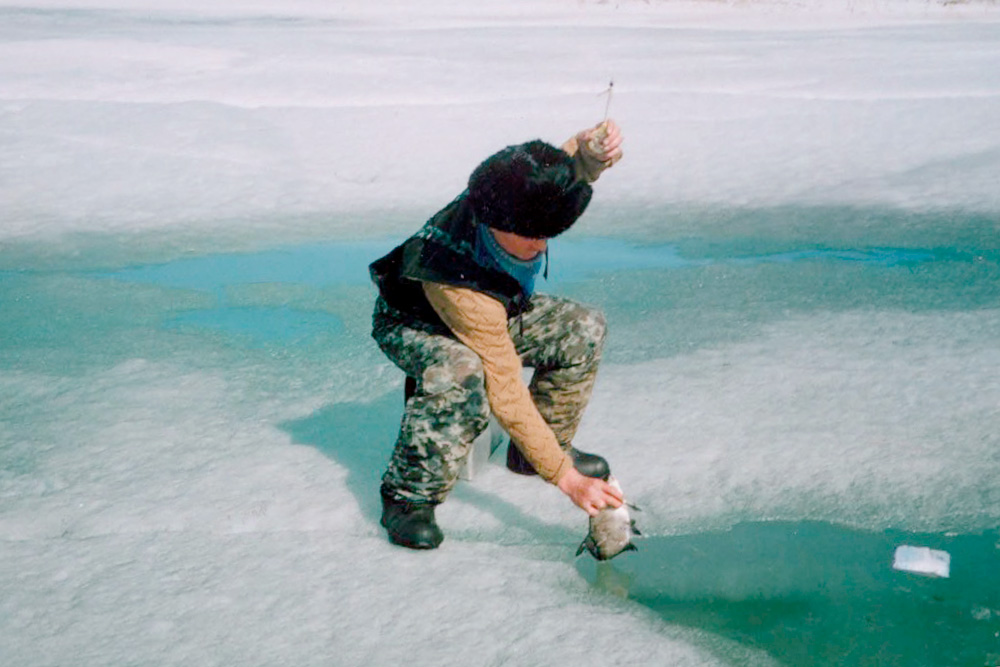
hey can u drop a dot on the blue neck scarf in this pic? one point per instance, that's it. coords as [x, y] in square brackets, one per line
[490, 254]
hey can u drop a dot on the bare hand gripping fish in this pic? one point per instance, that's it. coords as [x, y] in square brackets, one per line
[611, 530]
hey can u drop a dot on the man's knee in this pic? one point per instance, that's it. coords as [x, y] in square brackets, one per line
[598, 325]
[589, 331]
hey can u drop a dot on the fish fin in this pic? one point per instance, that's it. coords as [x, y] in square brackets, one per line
[635, 508]
[588, 544]
[630, 547]
[635, 531]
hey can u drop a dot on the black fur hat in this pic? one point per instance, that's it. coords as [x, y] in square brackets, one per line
[529, 189]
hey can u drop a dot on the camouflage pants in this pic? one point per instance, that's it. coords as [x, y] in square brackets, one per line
[561, 339]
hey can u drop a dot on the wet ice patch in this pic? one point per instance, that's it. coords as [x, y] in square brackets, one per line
[260, 326]
[816, 594]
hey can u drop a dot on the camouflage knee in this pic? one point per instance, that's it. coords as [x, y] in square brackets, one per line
[563, 340]
[585, 335]
[560, 333]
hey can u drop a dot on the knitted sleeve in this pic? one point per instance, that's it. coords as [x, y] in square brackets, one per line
[480, 322]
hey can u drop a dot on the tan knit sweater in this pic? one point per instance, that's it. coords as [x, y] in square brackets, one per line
[480, 322]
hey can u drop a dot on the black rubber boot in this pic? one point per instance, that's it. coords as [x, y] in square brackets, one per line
[516, 461]
[589, 465]
[410, 524]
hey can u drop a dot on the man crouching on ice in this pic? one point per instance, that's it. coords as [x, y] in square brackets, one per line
[457, 312]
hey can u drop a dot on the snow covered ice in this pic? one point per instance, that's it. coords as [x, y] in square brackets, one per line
[798, 257]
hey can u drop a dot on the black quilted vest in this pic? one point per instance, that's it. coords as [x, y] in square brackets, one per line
[443, 251]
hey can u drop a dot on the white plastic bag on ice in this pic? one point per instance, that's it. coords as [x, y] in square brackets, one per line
[922, 560]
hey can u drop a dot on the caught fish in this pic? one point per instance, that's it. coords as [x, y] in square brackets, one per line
[611, 531]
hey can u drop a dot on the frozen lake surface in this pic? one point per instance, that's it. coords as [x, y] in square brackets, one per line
[799, 258]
